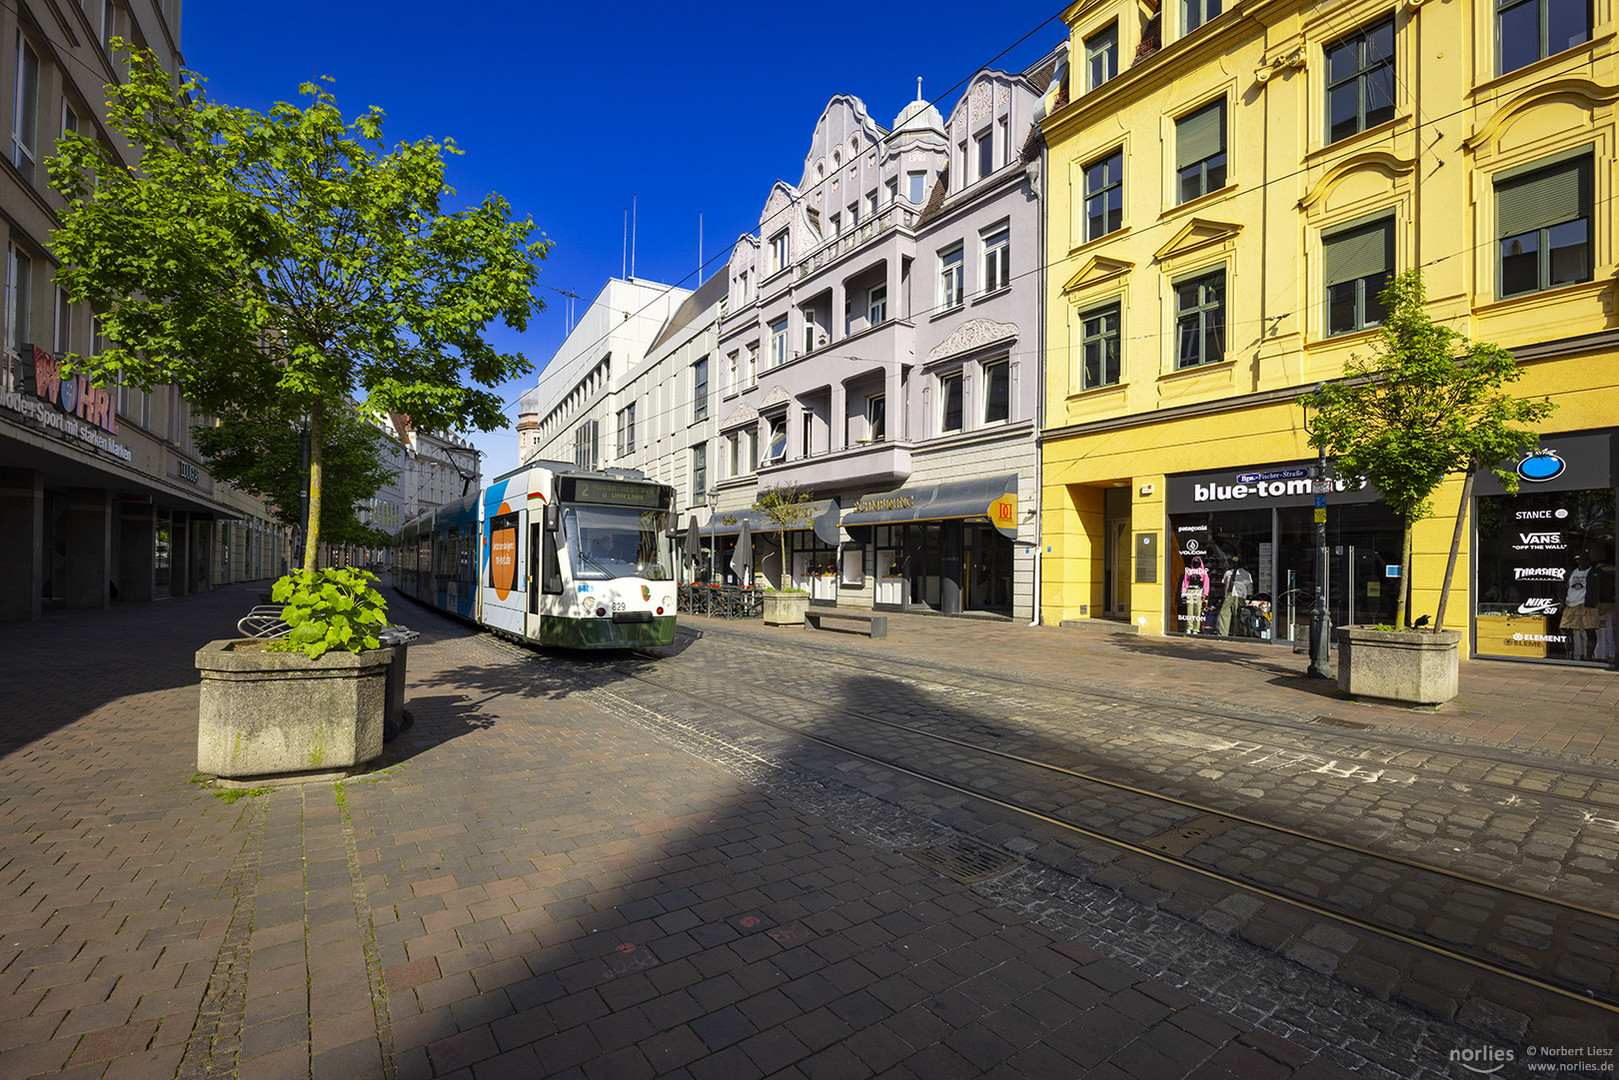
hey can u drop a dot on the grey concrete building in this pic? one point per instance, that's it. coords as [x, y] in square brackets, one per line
[102, 493]
[880, 347]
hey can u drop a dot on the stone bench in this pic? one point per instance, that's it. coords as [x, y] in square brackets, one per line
[866, 622]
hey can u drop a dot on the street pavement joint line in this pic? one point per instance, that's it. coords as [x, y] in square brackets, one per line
[368, 938]
[216, 1039]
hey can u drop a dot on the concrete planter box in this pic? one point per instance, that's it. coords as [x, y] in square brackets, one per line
[282, 718]
[785, 608]
[1417, 666]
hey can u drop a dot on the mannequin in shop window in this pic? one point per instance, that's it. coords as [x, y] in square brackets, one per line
[1583, 603]
[1239, 585]
[1194, 591]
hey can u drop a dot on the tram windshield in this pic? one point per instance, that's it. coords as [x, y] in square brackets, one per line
[618, 541]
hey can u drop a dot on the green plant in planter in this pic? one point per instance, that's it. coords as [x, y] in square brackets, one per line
[329, 609]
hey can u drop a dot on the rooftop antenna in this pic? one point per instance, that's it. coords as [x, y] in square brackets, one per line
[624, 272]
[919, 88]
[699, 247]
[634, 205]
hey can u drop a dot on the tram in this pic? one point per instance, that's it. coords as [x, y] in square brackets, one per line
[551, 554]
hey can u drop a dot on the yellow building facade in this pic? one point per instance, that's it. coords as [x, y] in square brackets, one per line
[1228, 192]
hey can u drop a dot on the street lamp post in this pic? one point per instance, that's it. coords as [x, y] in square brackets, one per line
[1320, 619]
[713, 530]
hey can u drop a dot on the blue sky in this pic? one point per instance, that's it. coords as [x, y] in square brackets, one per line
[571, 111]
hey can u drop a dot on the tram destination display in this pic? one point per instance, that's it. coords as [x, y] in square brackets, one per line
[644, 496]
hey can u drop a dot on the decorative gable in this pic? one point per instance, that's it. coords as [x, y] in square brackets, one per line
[741, 416]
[778, 396]
[1197, 234]
[1097, 268]
[973, 334]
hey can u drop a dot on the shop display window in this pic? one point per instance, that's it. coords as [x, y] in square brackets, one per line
[1220, 573]
[1545, 584]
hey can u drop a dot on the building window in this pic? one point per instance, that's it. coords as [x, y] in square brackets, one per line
[109, 23]
[893, 191]
[1357, 264]
[584, 445]
[1099, 347]
[915, 181]
[64, 323]
[997, 259]
[777, 448]
[733, 447]
[699, 472]
[837, 224]
[1104, 196]
[1530, 30]
[997, 391]
[753, 449]
[950, 402]
[626, 430]
[699, 390]
[877, 305]
[986, 154]
[733, 373]
[1360, 81]
[854, 214]
[778, 252]
[742, 278]
[1200, 320]
[1200, 155]
[750, 373]
[19, 277]
[809, 330]
[778, 342]
[1101, 56]
[1544, 223]
[1194, 13]
[876, 418]
[25, 113]
[950, 278]
[806, 433]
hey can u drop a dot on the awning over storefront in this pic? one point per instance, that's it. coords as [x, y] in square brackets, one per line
[994, 498]
[822, 516]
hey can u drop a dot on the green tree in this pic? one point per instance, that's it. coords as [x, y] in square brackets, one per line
[1425, 404]
[288, 250]
[261, 452]
[785, 506]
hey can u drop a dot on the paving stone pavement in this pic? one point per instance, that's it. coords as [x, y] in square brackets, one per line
[528, 885]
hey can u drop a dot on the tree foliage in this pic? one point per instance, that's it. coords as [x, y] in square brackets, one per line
[1425, 404]
[785, 506]
[289, 250]
[261, 452]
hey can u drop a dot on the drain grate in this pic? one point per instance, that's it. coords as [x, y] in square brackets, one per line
[1184, 837]
[1333, 721]
[964, 860]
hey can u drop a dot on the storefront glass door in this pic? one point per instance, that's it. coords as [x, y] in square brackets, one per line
[988, 559]
[1363, 557]
[1115, 569]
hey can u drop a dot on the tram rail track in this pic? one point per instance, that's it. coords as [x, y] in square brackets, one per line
[1526, 937]
[1376, 737]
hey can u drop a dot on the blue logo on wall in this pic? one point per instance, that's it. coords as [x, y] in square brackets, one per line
[1540, 466]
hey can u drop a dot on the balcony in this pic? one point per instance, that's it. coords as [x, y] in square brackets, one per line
[901, 215]
[862, 466]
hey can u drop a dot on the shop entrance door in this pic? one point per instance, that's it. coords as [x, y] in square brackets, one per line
[1363, 541]
[988, 557]
[1116, 569]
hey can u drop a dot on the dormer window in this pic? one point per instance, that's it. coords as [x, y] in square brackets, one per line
[779, 252]
[986, 154]
[1101, 56]
[1194, 13]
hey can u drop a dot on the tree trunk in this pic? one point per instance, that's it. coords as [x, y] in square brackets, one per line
[1401, 615]
[317, 439]
[1455, 546]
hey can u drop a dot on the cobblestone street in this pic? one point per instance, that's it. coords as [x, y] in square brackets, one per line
[575, 867]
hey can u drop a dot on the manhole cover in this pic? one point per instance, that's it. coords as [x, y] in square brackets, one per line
[1352, 725]
[965, 860]
[1186, 836]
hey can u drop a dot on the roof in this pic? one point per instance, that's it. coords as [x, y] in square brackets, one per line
[708, 294]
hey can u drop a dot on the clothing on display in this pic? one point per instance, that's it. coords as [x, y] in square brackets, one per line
[1239, 584]
[1195, 588]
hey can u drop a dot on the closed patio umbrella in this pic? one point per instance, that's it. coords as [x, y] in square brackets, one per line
[742, 557]
[693, 551]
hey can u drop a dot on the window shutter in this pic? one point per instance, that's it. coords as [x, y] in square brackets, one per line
[1544, 198]
[1359, 252]
[1200, 135]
